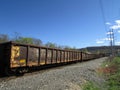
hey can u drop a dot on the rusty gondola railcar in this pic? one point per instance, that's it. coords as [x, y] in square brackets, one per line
[15, 57]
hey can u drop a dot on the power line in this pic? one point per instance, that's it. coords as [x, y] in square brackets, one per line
[103, 14]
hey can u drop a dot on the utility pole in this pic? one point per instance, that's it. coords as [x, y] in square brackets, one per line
[112, 41]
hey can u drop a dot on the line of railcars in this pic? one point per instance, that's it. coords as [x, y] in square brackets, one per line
[20, 58]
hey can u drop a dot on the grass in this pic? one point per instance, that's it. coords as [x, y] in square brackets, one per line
[111, 70]
[113, 81]
[90, 86]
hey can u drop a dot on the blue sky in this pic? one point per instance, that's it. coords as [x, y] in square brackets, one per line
[76, 23]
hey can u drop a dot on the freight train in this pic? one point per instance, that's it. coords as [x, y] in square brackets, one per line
[21, 58]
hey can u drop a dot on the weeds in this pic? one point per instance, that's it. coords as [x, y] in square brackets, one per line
[113, 79]
[113, 75]
[111, 70]
[90, 86]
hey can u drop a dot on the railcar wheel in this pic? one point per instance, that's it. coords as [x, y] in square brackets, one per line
[18, 72]
[8, 72]
[21, 71]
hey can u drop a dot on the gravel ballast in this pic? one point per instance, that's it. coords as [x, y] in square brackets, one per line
[70, 77]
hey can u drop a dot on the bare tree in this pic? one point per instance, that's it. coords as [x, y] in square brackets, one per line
[4, 38]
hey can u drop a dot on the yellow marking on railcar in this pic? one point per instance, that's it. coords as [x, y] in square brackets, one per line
[22, 61]
[15, 52]
[42, 63]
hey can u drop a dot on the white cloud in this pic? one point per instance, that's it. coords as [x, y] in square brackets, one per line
[109, 33]
[107, 39]
[100, 41]
[117, 43]
[116, 26]
[108, 23]
[117, 22]
[119, 31]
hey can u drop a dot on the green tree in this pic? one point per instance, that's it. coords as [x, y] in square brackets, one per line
[85, 50]
[67, 48]
[52, 45]
[25, 40]
[37, 41]
[74, 48]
